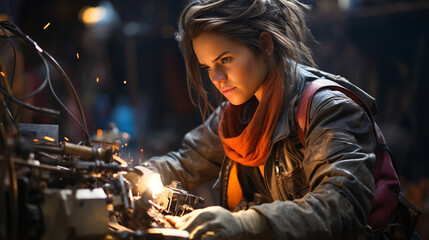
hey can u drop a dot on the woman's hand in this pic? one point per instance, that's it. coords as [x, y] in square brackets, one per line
[218, 223]
[211, 223]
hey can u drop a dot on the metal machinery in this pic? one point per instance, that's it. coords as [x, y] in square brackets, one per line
[61, 190]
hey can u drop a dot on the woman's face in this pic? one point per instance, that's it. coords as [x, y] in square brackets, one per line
[232, 67]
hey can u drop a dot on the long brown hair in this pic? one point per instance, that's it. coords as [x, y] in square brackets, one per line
[243, 20]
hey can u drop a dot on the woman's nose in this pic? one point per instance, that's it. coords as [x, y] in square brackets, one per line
[218, 76]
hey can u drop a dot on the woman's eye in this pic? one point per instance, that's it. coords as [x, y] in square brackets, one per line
[225, 60]
[205, 68]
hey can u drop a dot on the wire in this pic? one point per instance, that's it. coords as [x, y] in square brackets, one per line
[45, 81]
[8, 94]
[82, 126]
[47, 111]
[14, 55]
[74, 94]
[6, 102]
[39, 89]
[8, 111]
[14, 29]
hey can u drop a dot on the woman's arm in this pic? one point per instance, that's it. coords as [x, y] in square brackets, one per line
[197, 161]
[338, 163]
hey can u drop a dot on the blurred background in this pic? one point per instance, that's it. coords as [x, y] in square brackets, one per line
[126, 66]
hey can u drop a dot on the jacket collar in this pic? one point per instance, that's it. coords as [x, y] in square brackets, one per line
[292, 92]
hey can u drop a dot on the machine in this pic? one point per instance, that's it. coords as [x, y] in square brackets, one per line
[63, 190]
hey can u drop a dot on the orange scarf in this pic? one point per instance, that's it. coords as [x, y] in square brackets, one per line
[250, 145]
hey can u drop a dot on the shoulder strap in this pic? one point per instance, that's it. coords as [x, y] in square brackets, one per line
[384, 174]
[303, 112]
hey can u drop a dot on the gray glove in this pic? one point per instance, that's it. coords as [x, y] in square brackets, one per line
[218, 223]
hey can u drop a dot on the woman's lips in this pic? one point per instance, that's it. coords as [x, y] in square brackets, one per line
[227, 91]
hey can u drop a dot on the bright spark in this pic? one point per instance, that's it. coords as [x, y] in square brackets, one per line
[47, 25]
[2, 73]
[77, 55]
[49, 138]
[125, 82]
[98, 80]
[65, 138]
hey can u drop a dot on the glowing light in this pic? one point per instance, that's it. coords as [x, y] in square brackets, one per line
[99, 132]
[47, 25]
[125, 135]
[97, 80]
[120, 160]
[2, 73]
[65, 138]
[92, 15]
[77, 55]
[155, 184]
[126, 144]
[36, 140]
[125, 82]
[49, 139]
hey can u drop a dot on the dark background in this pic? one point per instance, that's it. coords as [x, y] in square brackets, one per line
[380, 45]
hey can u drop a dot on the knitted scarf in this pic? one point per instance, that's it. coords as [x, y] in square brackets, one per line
[249, 144]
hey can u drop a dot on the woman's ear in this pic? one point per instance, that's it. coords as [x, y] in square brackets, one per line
[266, 42]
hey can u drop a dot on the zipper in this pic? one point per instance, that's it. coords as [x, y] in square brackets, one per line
[223, 185]
[276, 167]
[279, 172]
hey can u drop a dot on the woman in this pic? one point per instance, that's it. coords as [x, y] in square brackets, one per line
[252, 51]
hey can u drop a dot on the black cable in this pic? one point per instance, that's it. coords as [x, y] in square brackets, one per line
[6, 102]
[14, 55]
[47, 111]
[39, 89]
[84, 129]
[14, 29]
[49, 81]
[74, 94]
[82, 124]
[9, 95]
[8, 111]
[45, 81]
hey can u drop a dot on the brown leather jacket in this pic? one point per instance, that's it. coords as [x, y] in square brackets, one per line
[322, 192]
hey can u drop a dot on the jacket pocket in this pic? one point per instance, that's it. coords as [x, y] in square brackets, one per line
[294, 185]
[290, 175]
